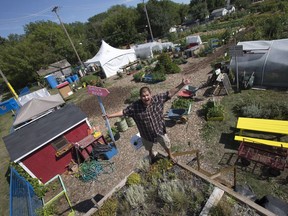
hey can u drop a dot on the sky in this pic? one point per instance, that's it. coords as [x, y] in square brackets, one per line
[15, 14]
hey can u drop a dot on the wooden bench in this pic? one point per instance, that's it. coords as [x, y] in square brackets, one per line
[270, 152]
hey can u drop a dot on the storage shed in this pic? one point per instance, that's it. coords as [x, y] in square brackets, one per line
[44, 147]
[65, 89]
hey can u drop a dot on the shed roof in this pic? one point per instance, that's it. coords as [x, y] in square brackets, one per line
[54, 67]
[28, 139]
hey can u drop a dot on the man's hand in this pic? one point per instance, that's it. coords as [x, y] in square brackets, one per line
[185, 81]
[173, 91]
[105, 116]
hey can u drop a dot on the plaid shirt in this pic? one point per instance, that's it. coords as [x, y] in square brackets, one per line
[149, 119]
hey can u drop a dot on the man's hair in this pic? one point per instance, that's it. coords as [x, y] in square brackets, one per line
[144, 89]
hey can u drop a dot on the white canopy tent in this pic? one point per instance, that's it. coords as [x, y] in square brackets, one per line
[36, 107]
[112, 59]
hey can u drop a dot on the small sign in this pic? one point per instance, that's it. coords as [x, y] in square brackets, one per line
[102, 92]
[236, 50]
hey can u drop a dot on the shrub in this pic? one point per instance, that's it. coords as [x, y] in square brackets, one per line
[158, 77]
[92, 80]
[39, 188]
[216, 111]
[133, 179]
[138, 76]
[167, 191]
[46, 210]
[252, 110]
[134, 96]
[139, 67]
[135, 195]
[166, 65]
[114, 132]
[268, 110]
[108, 208]
[207, 106]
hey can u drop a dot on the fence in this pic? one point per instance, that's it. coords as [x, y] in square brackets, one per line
[23, 200]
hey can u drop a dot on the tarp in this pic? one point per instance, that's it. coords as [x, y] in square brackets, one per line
[8, 105]
[112, 59]
[268, 61]
[144, 51]
[36, 94]
[36, 107]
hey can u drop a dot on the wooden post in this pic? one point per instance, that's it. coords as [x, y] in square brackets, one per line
[198, 161]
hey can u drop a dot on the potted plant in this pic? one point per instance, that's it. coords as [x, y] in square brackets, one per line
[115, 133]
[182, 103]
[214, 112]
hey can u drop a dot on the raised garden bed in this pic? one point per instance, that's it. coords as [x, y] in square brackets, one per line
[159, 189]
[55, 200]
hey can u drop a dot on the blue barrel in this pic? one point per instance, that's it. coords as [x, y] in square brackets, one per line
[75, 78]
[51, 81]
[69, 79]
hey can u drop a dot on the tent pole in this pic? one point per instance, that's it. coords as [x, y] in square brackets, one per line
[8, 84]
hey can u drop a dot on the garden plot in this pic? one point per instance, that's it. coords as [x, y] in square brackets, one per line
[167, 189]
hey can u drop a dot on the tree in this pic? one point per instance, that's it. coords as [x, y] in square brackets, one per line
[119, 26]
[198, 9]
[162, 15]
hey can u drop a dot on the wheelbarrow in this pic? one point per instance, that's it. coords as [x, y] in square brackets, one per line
[178, 115]
[188, 91]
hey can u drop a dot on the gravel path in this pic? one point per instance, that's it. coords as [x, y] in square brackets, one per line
[183, 136]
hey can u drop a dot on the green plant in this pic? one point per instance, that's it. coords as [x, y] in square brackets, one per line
[167, 191]
[158, 77]
[134, 96]
[166, 65]
[92, 80]
[114, 132]
[136, 196]
[216, 111]
[138, 67]
[181, 103]
[108, 208]
[134, 178]
[138, 76]
[47, 210]
[39, 188]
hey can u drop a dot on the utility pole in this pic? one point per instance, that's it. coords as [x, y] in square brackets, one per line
[145, 9]
[55, 10]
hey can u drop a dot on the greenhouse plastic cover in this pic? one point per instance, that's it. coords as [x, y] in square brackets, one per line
[36, 94]
[146, 50]
[268, 61]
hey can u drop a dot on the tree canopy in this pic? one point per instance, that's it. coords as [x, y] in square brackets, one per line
[45, 42]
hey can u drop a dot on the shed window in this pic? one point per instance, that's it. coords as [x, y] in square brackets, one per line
[60, 143]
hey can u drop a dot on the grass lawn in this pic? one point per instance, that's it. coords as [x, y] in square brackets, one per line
[5, 124]
[260, 181]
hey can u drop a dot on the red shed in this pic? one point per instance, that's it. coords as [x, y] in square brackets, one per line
[44, 147]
